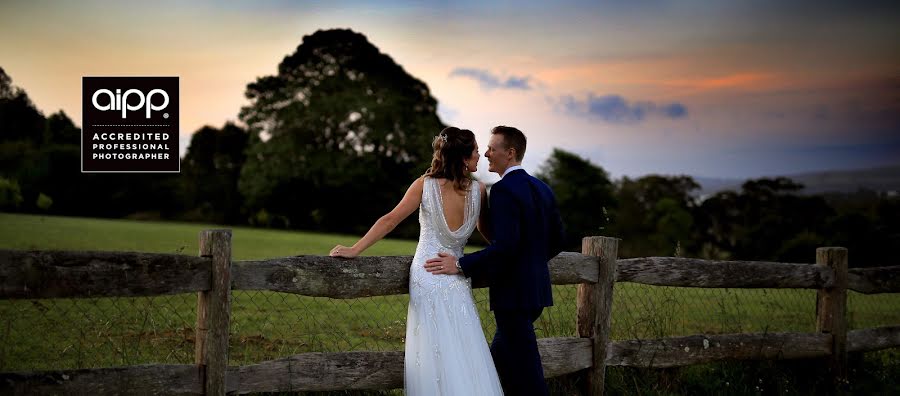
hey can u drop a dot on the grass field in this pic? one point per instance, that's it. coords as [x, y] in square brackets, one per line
[80, 333]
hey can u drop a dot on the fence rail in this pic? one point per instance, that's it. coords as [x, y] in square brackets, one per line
[28, 274]
[691, 272]
[696, 349]
[874, 280]
[65, 274]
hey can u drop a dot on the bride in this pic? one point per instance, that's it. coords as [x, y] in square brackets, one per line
[446, 351]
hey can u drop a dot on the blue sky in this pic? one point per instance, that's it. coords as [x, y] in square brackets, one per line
[715, 89]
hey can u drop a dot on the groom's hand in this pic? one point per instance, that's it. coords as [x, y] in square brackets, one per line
[444, 264]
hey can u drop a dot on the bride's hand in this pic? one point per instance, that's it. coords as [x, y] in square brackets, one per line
[342, 251]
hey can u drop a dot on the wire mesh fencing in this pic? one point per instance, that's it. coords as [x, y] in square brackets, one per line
[49, 334]
[53, 334]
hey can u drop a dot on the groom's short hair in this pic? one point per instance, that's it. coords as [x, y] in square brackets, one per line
[513, 138]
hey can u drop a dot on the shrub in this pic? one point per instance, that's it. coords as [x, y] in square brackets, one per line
[10, 194]
[44, 202]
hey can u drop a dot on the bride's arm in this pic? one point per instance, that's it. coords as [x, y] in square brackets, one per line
[410, 202]
[484, 220]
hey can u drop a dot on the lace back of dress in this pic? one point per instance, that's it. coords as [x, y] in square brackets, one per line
[432, 220]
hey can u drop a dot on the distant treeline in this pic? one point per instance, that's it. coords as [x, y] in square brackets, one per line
[766, 219]
[333, 140]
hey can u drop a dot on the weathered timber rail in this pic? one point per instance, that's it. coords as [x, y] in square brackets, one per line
[71, 274]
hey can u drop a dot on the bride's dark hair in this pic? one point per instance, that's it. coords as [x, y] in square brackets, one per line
[451, 149]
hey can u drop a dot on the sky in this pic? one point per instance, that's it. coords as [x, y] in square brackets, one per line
[724, 89]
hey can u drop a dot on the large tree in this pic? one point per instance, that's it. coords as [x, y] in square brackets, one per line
[336, 135]
[584, 195]
[655, 216]
[210, 171]
[766, 220]
[20, 120]
[26, 155]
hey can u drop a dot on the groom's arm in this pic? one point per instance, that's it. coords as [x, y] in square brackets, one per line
[505, 219]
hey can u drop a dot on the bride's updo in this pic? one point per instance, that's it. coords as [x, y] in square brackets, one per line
[452, 147]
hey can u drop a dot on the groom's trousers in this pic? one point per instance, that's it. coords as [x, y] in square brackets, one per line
[515, 353]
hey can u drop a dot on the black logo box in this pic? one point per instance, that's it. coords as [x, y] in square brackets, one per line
[98, 123]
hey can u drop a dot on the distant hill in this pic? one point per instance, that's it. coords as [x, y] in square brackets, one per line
[882, 179]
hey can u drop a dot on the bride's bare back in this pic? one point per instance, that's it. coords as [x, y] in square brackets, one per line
[454, 203]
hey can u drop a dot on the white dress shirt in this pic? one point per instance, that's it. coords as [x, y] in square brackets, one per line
[510, 169]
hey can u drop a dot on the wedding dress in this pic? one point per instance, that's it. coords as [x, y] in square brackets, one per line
[446, 350]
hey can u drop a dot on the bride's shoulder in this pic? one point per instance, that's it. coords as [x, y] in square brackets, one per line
[419, 183]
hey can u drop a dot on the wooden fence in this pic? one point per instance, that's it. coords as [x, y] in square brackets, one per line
[66, 274]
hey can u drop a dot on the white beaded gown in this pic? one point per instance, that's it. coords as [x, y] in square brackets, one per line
[446, 350]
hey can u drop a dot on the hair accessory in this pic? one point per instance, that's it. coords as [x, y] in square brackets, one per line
[443, 137]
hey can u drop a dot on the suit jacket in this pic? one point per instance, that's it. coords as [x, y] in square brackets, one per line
[527, 233]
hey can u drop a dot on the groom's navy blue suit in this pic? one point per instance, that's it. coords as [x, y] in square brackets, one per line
[527, 231]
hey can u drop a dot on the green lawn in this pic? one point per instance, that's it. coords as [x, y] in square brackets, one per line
[19, 231]
[73, 333]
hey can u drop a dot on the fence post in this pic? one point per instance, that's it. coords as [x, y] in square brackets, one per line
[213, 312]
[594, 307]
[831, 308]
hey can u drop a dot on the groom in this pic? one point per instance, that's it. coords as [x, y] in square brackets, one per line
[527, 232]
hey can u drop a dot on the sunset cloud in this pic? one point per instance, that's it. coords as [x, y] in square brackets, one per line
[487, 80]
[740, 81]
[616, 109]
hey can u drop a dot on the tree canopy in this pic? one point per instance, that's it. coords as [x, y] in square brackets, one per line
[581, 188]
[336, 135]
[209, 174]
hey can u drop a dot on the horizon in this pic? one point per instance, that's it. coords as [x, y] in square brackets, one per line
[731, 90]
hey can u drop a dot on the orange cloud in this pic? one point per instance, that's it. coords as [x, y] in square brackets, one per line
[753, 81]
[667, 77]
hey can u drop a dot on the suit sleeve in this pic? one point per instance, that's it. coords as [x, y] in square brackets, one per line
[505, 218]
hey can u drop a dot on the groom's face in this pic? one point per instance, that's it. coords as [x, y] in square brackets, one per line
[497, 154]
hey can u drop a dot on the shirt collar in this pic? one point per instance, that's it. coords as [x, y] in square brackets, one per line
[510, 169]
